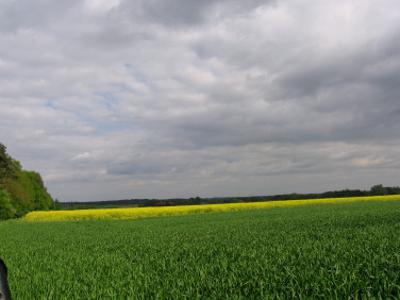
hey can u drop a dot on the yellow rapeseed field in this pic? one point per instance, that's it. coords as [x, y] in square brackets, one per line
[143, 212]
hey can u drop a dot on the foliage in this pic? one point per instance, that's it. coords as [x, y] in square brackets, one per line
[143, 212]
[377, 190]
[7, 164]
[25, 188]
[344, 251]
[7, 210]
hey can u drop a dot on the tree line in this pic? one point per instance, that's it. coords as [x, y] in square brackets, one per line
[21, 191]
[376, 190]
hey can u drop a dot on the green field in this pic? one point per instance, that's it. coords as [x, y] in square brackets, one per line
[318, 251]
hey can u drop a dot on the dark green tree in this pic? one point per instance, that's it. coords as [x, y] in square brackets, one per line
[378, 189]
[7, 210]
[5, 164]
[21, 191]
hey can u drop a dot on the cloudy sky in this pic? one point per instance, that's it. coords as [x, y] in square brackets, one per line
[113, 99]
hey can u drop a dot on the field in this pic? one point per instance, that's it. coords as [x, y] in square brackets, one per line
[337, 251]
[143, 212]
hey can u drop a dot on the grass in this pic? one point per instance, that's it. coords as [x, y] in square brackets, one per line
[337, 251]
[143, 212]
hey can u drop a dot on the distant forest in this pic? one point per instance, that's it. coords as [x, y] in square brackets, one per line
[21, 191]
[376, 190]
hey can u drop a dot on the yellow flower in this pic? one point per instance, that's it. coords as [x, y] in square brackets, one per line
[144, 212]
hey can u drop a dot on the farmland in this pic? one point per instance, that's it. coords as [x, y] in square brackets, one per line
[144, 212]
[313, 251]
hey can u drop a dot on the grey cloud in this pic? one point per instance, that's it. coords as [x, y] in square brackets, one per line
[190, 12]
[177, 11]
[169, 98]
[25, 14]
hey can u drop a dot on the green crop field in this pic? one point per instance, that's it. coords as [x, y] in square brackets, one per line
[318, 251]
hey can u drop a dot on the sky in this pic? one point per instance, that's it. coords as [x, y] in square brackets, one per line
[116, 99]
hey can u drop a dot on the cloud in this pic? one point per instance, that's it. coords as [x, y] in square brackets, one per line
[101, 6]
[117, 99]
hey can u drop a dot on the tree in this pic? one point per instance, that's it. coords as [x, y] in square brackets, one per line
[378, 189]
[7, 210]
[7, 164]
[21, 191]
